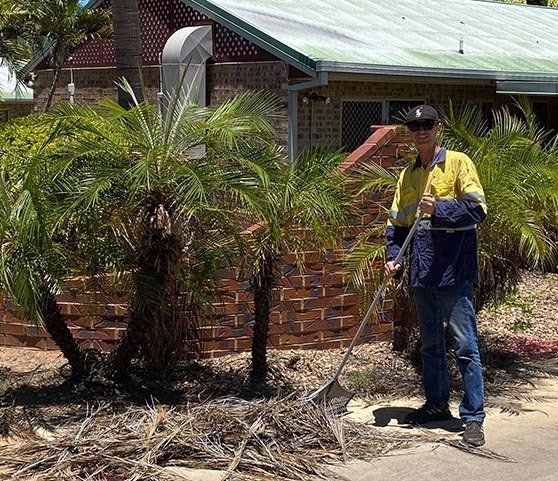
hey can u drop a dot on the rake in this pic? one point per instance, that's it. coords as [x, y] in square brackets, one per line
[331, 394]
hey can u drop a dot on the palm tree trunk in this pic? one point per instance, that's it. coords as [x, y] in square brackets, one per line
[127, 45]
[263, 292]
[158, 258]
[55, 75]
[128, 346]
[57, 328]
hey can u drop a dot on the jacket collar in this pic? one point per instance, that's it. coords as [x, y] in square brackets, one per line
[439, 157]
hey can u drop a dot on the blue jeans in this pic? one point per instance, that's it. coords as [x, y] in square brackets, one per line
[453, 304]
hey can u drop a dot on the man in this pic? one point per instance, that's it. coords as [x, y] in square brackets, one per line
[444, 185]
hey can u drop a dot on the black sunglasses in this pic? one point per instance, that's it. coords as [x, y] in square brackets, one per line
[425, 125]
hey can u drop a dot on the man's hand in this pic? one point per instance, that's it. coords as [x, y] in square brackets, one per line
[391, 268]
[428, 204]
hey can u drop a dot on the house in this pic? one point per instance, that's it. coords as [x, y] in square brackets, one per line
[339, 65]
[15, 100]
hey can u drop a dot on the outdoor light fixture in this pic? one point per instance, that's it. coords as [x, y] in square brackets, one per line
[30, 79]
[316, 97]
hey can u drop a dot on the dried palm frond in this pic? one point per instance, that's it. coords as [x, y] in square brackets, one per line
[478, 451]
[284, 438]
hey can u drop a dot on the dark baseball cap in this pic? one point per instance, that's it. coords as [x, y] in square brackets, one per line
[421, 112]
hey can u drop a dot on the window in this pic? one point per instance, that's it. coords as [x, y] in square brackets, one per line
[358, 115]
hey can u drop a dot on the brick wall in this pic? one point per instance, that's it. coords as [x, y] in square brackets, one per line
[94, 320]
[227, 80]
[17, 109]
[91, 85]
[314, 308]
[223, 82]
[317, 122]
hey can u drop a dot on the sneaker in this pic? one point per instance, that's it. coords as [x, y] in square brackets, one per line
[427, 414]
[473, 434]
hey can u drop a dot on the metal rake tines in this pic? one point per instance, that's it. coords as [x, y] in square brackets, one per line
[332, 397]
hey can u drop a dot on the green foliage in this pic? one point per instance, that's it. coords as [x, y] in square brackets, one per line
[515, 301]
[53, 28]
[517, 163]
[301, 206]
[522, 302]
[369, 251]
[521, 325]
[116, 196]
[362, 380]
[128, 180]
[21, 138]
[15, 51]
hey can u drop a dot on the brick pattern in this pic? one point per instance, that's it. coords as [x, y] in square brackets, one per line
[91, 85]
[224, 81]
[313, 308]
[227, 80]
[16, 109]
[96, 322]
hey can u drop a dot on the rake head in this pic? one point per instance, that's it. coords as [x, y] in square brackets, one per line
[332, 396]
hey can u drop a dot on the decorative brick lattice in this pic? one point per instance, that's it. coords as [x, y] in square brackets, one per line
[185, 16]
[159, 20]
[229, 46]
[155, 28]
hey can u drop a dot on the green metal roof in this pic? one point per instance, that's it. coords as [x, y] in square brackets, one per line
[501, 41]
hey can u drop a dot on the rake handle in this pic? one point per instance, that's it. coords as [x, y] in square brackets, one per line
[378, 295]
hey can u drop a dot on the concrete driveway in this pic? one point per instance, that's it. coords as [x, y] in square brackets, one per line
[530, 438]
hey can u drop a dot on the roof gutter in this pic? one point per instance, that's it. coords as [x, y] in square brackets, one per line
[398, 70]
[319, 81]
[527, 88]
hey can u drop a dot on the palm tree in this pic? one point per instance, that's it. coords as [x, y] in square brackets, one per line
[301, 206]
[32, 263]
[139, 185]
[15, 52]
[127, 48]
[57, 27]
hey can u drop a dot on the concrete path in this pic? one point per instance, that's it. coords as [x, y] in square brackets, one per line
[531, 439]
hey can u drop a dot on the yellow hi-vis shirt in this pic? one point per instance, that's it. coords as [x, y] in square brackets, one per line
[444, 248]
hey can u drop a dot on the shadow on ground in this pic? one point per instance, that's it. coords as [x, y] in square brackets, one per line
[54, 399]
[384, 415]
